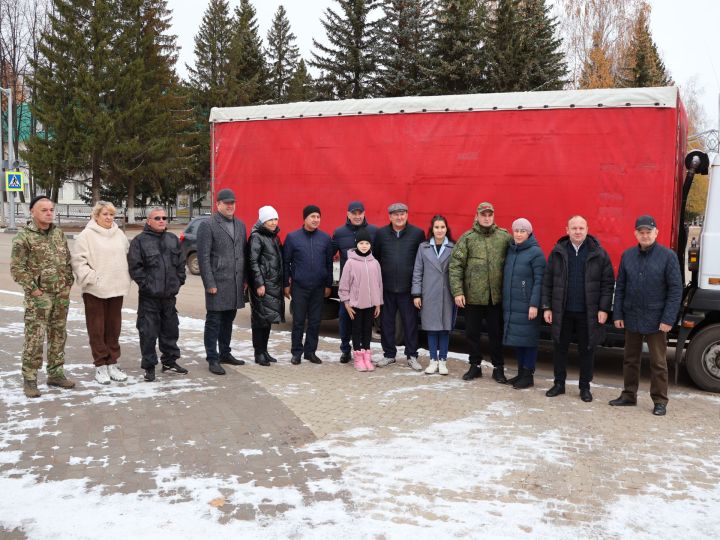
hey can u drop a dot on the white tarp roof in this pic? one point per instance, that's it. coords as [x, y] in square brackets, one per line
[562, 99]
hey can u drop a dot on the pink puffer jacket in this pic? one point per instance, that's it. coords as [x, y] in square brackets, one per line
[361, 281]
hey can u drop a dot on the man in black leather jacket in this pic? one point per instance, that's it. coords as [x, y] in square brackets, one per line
[157, 265]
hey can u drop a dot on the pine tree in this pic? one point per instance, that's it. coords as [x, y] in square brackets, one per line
[210, 76]
[458, 60]
[282, 54]
[597, 72]
[301, 86]
[74, 80]
[403, 47]
[209, 80]
[152, 117]
[347, 63]
[642, 66]
[250, 75]
[523, 53]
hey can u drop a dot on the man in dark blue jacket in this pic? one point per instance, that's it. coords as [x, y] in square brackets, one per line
[648, 292]
[344, 239]
[157, 265]
[395, 248]
[307, 259]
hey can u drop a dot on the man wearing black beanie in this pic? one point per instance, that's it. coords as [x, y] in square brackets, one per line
[307, 259]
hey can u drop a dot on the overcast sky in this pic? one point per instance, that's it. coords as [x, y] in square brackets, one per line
[686, 33]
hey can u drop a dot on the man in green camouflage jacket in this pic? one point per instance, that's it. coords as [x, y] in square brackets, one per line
[476, 276]
[41, 265]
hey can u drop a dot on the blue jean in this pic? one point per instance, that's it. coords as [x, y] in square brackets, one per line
[526, 357]
[218, 331]
[344, 324]
[438, 342]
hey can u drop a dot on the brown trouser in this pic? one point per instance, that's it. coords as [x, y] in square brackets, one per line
[657, 343]
[103, 317]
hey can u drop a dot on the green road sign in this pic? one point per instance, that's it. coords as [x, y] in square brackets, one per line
[14, 180]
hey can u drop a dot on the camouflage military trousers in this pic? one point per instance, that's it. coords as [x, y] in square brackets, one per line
[45, 315]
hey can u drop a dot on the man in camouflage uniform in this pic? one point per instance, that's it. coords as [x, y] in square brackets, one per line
[476, 276]
[41, 265]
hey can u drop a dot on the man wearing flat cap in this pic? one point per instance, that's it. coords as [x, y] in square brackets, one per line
[648, 292]
[221, 244]
[395, 248]
[40, 264]
[307, 260]
[343, 239]
[476, 280]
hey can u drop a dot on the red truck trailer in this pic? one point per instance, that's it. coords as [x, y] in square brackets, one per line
[609, 155]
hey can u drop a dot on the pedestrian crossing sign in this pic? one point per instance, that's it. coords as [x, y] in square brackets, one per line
[14, 180]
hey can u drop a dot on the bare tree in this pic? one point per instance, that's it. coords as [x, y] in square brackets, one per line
[21, 22]
[591, 25]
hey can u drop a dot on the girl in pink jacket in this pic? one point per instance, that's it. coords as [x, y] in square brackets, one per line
[361, 291]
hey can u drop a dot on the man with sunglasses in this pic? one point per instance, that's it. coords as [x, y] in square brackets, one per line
[157, 265]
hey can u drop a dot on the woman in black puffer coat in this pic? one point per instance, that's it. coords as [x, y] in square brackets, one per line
[265, 264]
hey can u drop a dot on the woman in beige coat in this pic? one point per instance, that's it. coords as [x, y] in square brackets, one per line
[99, 261]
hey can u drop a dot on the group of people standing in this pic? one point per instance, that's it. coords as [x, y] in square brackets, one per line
[500, 279]
[103, 263]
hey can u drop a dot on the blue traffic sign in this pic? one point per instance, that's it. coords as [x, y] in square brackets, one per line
[14, 180]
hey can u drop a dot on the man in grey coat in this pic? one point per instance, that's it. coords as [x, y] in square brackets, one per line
[221, 244]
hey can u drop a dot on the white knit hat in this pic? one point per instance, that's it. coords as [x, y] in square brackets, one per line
[266, 213]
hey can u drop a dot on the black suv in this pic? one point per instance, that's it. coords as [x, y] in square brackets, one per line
[188, 243]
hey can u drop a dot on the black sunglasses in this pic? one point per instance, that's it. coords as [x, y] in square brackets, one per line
[160, 218]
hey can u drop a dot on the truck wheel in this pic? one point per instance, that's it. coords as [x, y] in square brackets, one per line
[703, 358]
[192, 264]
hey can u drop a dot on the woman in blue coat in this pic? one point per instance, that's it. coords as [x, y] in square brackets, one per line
[522, 284]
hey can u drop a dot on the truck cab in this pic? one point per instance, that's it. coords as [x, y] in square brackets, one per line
[699, 326]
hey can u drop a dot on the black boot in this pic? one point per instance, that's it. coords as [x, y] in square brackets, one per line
[526, 379]
[345, 357]
[474, 372]
[556, 390]
[269, 358]
[262, 360]
[499, 375]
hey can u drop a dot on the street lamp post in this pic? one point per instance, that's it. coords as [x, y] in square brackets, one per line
[11, 155]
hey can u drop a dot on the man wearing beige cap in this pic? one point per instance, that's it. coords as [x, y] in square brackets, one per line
[395, 248]
[476, 277]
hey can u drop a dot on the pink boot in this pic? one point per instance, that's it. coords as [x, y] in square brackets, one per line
[359, 360]
[367, 356]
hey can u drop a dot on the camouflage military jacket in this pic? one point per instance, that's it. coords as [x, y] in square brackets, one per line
[41, 260]
[476, 265]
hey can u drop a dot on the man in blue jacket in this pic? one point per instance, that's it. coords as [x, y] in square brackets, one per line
[344, 239]
[648, 292]
[307, 259]
[395, 248]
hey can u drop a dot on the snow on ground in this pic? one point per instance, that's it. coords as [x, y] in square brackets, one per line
[440, 481]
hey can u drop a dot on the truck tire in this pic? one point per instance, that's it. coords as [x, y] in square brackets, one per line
[192, 264]
[703, 358]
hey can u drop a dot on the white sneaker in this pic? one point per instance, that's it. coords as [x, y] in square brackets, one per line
[101, 375]
[413, 363]
[442, 367]
[385, 361]
[116, 374]
[432, 367]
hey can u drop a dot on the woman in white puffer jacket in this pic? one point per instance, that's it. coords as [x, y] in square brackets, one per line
[99, 260]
